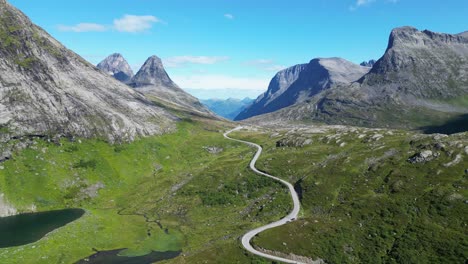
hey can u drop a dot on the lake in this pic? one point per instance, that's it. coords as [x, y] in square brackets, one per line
[28, 228]
[112, 257]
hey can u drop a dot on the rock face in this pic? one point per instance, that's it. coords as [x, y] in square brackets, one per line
[422, 79]
[153, 81]
[228, 108]
[46, 89]
[368, 63]
[116, 66]
[301, 82]
[420, 82]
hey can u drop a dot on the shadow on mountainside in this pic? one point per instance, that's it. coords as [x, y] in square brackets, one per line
[456, 125]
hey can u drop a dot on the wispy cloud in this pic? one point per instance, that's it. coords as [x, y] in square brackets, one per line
[265, 64]
[135, 24]
[127, 23]
[83, 27]
[229, 16]
[179, 61]
[216, 82]
[361, 3]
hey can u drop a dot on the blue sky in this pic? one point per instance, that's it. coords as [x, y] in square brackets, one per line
[232, 48]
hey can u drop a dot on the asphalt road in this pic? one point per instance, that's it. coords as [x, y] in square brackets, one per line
[292, 216]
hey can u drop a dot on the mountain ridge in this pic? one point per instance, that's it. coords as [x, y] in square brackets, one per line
[303, 82]
[421, 80]
[49, 90]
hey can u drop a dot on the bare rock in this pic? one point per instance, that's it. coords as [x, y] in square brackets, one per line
[422, 157]
[213, 150]
[5, 208]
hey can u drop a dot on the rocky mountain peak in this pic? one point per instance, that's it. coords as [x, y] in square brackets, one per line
[117, 66]
[369, 63]
[152, 73]
[301, 82]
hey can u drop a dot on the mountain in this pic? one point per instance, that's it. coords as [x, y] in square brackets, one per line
[301, 82]
[228, 108]
[421, 81]
[46, 89]
[117, 66]
[368, 63]
[153, 81]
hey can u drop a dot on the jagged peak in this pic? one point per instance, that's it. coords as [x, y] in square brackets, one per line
[152, 73]
[116, 55]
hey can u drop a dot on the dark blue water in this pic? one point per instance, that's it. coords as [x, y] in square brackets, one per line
[112, 257]
[28, 228]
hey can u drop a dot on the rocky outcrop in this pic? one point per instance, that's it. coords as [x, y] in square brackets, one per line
[368, 63]
[116, 66]
[301, 82]
[46, 89]
[423, 157]
[153, 81]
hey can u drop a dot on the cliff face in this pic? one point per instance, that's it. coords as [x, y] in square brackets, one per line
[301, 82]
[46, 89]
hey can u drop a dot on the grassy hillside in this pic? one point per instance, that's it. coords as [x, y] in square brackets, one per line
[364, 202]
[160, 193]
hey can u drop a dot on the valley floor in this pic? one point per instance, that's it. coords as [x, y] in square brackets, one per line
[367, 195]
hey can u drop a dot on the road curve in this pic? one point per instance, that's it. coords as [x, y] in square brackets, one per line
[290, 217]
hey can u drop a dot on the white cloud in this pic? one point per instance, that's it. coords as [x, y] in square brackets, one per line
[265, 64]
[178, 61]
[229, 16]
[259, 62]
[275, 68]
[216, 82]
[128, 23]
[83, 27]
[134, 24]
[361, 3]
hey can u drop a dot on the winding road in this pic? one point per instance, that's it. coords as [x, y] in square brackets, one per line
[290, 217]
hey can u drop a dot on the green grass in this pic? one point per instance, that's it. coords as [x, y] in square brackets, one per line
[364, 203]
[361, 202]
[203, 200]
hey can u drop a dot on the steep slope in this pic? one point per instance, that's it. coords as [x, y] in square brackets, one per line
[301, 82]
[421, 81]
[153, 81]
[117, 66]
[228, 108]
[46, 89]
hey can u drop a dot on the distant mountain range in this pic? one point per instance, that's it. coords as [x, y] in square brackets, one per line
[228, 108]
[421, 81]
